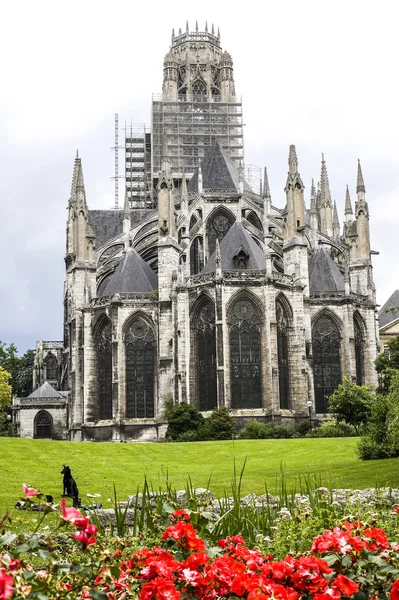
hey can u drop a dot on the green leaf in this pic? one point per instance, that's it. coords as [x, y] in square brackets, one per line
[7, 538]
[331, 559]
[23, 548]
[97, 595]
[44, 554]
[28, 574]
[115, 571]
[168, 508]
[346, 561]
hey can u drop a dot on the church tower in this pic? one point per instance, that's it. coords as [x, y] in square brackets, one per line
[198, 92]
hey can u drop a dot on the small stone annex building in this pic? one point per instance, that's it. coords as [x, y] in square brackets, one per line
[389, 320]
[219, 296]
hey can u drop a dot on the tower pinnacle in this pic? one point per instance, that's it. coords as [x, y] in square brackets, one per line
[292, 160]
[360, 182]
[348, 205]
[266, 187]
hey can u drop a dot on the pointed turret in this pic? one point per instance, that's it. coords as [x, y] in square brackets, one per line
[326, 209]
[336, 225]
[206, 26]
[313, 213]
[360, 182]
[266, 187]
[196, 25]
[348, 207]
[292, 161]
[295, 201]
[213, 29]
[187, 29]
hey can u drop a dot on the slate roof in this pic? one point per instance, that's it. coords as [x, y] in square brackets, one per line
[218, 172]
[132, 275]
[324, 275]
[235, 238]
[107, 224]
[46, 391]
[391, 303]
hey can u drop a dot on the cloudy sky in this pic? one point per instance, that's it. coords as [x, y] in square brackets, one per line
[320, 74]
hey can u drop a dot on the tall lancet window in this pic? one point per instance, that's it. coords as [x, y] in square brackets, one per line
[104, 370]
[282, 355]
[205, 334]
[245, 355]
[359, 350]
[326, 343]
[51, 364]
[196, 255]
[199, 90]
[217, 228]
[140, 370]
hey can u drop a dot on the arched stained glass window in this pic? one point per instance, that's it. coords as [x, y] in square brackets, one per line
[283, 355]
[199, 88]
[51, 364]
[196, 255]
[359, 351]
[206, 357]
[104, 370]
[245, 355]
[217, 228]
[326, 360]
[140, 370]
[43, 426]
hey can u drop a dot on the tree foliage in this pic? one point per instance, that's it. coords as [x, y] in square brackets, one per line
[5, 389]
[351, 403]
[387, 364]
[221, 425]
[20, 369]
[183, 418]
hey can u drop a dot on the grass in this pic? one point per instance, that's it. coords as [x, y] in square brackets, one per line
[98, 467]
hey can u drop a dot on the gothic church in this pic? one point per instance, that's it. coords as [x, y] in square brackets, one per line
[210, 292]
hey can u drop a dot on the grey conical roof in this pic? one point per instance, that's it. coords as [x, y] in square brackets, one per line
[132, 275]
[390, 305]
[324, 275]
[46, 391]
[218, 172]
[237, 237]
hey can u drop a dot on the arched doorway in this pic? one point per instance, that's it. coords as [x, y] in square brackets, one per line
[43, 426]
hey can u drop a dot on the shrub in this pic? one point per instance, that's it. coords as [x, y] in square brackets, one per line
[183, 418]
[221, 424]
[302, 428]
[332, 429]
[351, 403]
[261, 431]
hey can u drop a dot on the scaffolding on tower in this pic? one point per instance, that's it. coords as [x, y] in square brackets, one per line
[138, 165]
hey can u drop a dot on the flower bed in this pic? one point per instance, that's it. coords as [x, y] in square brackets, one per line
[353, 559]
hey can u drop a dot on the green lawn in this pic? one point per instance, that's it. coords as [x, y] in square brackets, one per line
[96, 467]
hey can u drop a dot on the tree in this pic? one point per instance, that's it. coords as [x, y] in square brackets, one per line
[183, 418]
[221, 424]
[20, 368]
[5, 389]
[387, 364]
[351, 403]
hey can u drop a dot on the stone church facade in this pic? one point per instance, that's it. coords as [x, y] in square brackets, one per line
[219, 296]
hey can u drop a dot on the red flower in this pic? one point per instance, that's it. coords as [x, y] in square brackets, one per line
[159, 588]
[394, 595]
[85, 537]
[73, 516]
[180, 514]
[345, 585]
[29, 491]
[6, 582]
[186, 536]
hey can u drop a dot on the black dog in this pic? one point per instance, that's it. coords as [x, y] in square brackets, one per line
[69, 485]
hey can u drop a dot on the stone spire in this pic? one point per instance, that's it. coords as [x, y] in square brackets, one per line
[241, 178]
[295, 199]
[360, 182]
[326, 217]
[313, 213]
[187, 28]
[336, 225]
[266, 187]
[292, 160]
[348, 207]
[200, 180]
[218, 261]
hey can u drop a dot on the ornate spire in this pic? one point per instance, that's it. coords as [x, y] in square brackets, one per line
[336, 225]
[206, 26]
[196, 25]
[360, 182]
[213, 29]
[183, 191]
[324, 184]
[218, 36]
[348, 205]
[266, 187]
[313, 197]
[293, 160]
[173, 35]
[200, 180]
[241, 178]
[187, 29]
